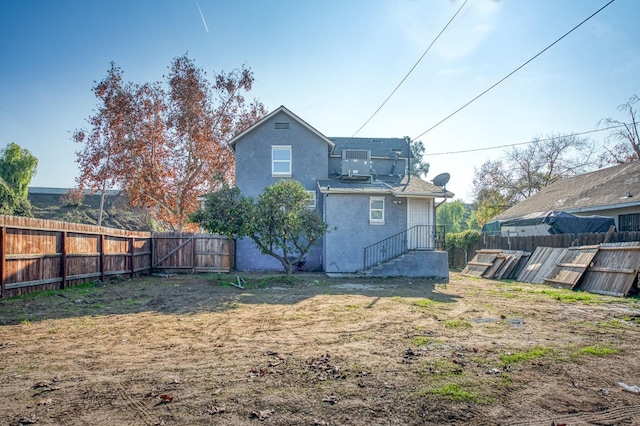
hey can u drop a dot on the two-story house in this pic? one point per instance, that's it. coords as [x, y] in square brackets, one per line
[384, 219]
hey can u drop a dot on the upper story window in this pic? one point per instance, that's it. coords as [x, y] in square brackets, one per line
[281, 160]
[376, 210]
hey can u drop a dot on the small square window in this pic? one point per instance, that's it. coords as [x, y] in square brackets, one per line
[376, 210]
[281, 161]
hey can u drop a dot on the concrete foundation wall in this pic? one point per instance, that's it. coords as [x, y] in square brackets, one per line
[418, 264]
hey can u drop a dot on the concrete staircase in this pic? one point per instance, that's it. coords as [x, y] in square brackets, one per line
[415, 263]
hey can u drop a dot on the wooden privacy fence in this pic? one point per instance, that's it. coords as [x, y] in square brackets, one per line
[187, 252]
[38, 254]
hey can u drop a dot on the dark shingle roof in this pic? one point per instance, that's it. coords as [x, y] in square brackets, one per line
[608, 187]
[413, 187]
[379, 147]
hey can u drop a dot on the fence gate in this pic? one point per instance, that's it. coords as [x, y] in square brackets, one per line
[188, 252]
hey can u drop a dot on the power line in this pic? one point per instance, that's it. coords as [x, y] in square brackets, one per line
[525, 143]
[411, 70]
[512, 72]
[43, 126]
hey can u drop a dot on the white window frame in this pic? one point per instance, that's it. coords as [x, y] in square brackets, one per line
[312, 203]
[274, 161]
[372, 211]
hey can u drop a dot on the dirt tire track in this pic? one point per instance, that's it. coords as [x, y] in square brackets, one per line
[612, 416]
[137, 407]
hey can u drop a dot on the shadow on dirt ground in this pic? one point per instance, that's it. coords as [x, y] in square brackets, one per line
[185, 294]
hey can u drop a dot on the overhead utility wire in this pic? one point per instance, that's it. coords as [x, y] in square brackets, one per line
[411, 70]
[511, 73]
[45, 127]
[525, 143]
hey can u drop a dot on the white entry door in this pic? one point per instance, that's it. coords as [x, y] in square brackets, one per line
[420, 212]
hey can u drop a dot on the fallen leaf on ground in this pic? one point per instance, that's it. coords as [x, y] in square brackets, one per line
[165, 399]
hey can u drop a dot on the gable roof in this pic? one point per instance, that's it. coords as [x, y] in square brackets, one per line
[266, 118]
[613, 187]
[379, 147]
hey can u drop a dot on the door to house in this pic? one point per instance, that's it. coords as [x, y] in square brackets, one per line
[419, 212]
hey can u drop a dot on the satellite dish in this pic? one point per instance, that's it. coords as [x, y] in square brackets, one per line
[441, 180]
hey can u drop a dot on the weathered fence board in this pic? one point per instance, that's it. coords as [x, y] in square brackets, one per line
[614, 271]
[180, 252]
[496, 264]
[572, 266]
[459, 258]
[480, 263]
[540, 264]
[40, 254]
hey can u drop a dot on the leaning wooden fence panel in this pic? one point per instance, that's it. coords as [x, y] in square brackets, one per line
[614, 271]
[571, 266]
[540, 264]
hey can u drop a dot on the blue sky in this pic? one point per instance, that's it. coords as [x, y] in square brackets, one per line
[332, 62]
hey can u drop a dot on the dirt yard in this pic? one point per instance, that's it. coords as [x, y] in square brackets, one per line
[194, 350]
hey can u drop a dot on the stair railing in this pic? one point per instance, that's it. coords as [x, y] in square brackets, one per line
[419, 237]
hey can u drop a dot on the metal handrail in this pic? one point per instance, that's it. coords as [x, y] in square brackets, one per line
[419, 237]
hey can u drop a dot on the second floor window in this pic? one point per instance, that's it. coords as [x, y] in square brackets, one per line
[376, 210]
[281, 160]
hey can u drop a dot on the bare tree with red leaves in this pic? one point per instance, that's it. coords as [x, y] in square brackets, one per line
[165, 145]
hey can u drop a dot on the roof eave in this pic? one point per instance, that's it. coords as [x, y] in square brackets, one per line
[604, 207]
[447, 194]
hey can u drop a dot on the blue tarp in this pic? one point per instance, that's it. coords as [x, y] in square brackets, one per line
[559, 223]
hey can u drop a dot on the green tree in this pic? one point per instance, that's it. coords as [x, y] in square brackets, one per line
[472, 220]
[279, 221]
[490, 203]
[419, 167]
[452, 216]
[17, 168]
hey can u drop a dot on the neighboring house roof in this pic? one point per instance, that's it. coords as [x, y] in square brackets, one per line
[610, 188]
[407, 187]
[379, 147]
[282, 108]
[64, 191]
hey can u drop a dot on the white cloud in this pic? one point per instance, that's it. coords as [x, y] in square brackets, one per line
[422, 21]
[450, 72]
